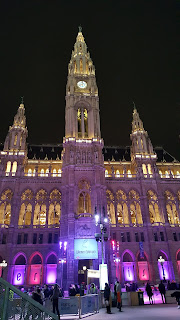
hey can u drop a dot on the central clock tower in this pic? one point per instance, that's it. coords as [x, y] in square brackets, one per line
[83, 179]
[82, 102]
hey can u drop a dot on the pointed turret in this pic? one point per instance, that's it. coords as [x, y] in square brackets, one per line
[141, 143]
[16, 137]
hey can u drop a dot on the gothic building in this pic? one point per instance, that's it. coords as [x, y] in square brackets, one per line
[50, 194]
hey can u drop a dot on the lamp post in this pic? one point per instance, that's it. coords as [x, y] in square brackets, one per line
[3, 264]
[101, 237]
[161, 261]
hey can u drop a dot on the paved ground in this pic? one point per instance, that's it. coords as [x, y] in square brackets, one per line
[146, 312]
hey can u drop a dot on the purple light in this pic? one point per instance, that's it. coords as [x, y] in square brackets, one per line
[51, 274]
[18, 277]
[35, 274]
[128, 271]
[65, 245]
[166, 271]
[143, 270]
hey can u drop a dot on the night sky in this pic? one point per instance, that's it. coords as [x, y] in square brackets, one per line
[134, 46]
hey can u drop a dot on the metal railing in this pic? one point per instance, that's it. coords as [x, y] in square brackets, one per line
[17, 305]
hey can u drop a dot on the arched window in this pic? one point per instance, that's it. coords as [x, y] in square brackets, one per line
[110, 207]
[144, 168]
[54, 208]
[79, 123]
[54, 173]
[106, 173]
[171, 208]
[129, 174]
[42, 173]
[5, 207]
[8, 168]
[15, 140]
[154, 211]
[29, 173]
[167, 174]
[26, 208]
[117, 174]
[84, 198]
[47, 172]
[40, 208]
[135, 208]
[14, 168]
[160, 173]
[149, 169]
[59, 172]
[82, 119]
[122, 208]
[177, 174]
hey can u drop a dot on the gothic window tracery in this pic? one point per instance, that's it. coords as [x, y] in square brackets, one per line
[122, 208]
[110, 207]
[26, 208]
[5, 207]
[40, 208]
[135, 208]
[82, 120]
[154, 211]
[14, 168]
[8, 168]
[171, 209]
[54, 208]
[84, 199]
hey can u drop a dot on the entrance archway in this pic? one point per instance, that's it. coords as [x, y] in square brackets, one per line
[143, 268]
[83, 265]
[36, 269]
[128, 266]
[51, 271]
[20, 262]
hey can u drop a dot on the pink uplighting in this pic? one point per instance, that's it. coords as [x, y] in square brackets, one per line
[35, 274]
[143, 270]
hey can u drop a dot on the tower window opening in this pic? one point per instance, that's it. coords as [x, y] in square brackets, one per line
[129, 174]
[79, 123]
[8, 168]
[20, 141]
[29, 172]
[81, 66]
[106, 174]
[54, 173]
[149, 169]
[117, 174]
[59, 173]
[15, 140]
[14, 168]
[144, 168]
[167, 174]
[42, 173]
[85, 123]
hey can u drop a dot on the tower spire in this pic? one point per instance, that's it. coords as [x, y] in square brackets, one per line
[16, 137]
[141, 143]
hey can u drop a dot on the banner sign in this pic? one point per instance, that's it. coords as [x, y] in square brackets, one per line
[143, 270]
[51, 274]
[128, 271]
[163, 270]
[93, 273]
[68, 305]
[141, 250]
[35, 274]
[85, 249]
[18, 276]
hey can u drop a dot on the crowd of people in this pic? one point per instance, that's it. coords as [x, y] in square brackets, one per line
[49, 295]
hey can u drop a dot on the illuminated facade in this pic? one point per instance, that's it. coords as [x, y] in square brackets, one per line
[50, 194]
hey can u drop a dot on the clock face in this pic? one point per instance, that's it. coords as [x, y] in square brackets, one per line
[82, 84]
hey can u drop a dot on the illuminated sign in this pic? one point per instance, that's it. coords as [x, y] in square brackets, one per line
[35, 274]
[18, 276]
[103, 275]
[93, 273]
[128, 271]
[85, 249]
[143, 270]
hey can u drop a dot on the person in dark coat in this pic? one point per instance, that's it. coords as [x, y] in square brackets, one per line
[176, 295]
[149, 292]
[55, 297]
[107, 293]
[162, 291]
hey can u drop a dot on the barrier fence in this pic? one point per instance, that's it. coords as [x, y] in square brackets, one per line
[14, 304]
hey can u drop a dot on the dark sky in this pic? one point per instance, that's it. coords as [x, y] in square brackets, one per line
[134, 46]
